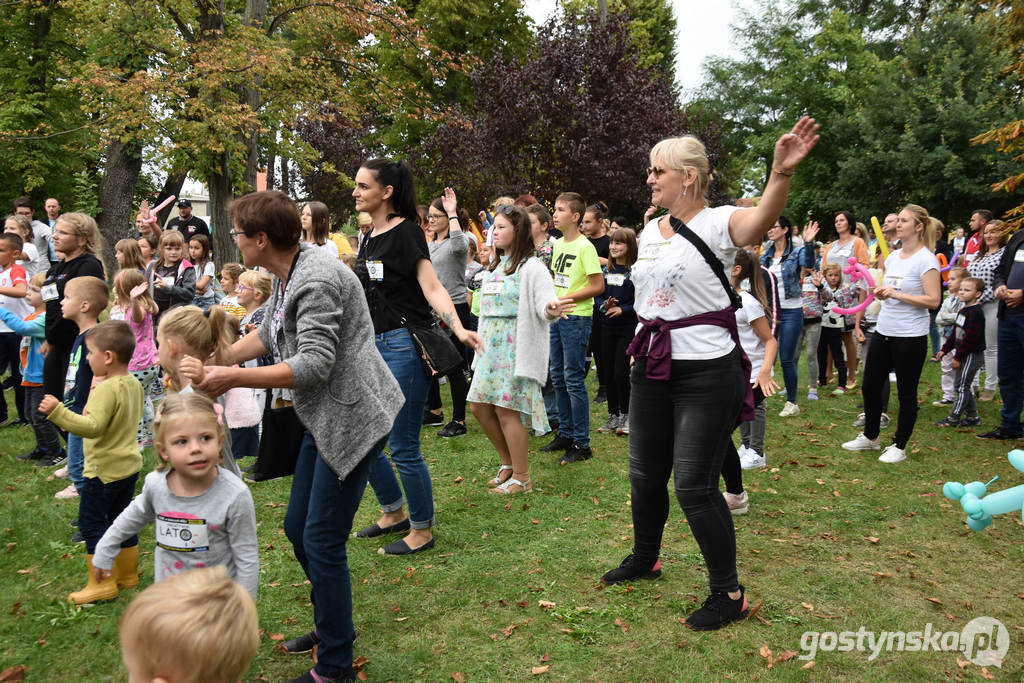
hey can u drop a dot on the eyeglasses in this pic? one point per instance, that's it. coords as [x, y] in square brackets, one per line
[436, 217]
[656, 171]
[235, 233]
[243, 288]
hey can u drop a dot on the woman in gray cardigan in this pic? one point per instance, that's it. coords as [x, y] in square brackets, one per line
[318, 329]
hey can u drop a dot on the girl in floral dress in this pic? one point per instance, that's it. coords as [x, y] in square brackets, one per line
[518, 303]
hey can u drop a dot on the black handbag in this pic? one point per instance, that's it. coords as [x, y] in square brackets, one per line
[435, 347]
[280, 442]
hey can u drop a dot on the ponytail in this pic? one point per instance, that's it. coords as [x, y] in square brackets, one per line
[398, 175]
[749, 266]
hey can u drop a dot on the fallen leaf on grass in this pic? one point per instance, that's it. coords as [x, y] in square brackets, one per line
[935, 600]
[459, 677]
[401, 618]
[545, 604]
[766, 652]
[622, 624]
[359, 662]
[458, 480]
[808, 665]
[546, 657]
[509, 629]
[523, 604]
[15, 674]
[807, 605]
[874, 539]
[985, 674]
[27, 570]
[537, 670]
[276, 637]
[15, 608]
[885, 575]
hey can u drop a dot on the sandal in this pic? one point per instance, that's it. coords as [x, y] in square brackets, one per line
[498, 481]
[506, 487]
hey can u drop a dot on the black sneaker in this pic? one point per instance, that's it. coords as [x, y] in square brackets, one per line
[949, 421]
[559, 443]
[74, 522]
[575, 454]
[302, 644]
[971, 421]
[53, 459]
[451, 429]
[1001, 433]
[632, 570]
[78, 538]
[35, 454]
[717, 611]
[313, 677]
[602, 395]
[433, 419]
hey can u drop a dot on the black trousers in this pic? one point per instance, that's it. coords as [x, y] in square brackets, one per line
[10, 358]
[682, 427]
[456, 378]
[831, 339]
[614, 340]
[905, 356]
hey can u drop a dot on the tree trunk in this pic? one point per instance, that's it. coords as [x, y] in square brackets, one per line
[286, 183]
[255, 15]
[222, 192]
[116, 192]
[172, 185]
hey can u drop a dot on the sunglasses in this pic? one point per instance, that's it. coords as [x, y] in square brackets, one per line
[656, 171]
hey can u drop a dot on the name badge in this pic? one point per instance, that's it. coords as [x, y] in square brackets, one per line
[182, 535]
[616, 279]
[1019, 256]
[894, 281]
[49, 292]
[493, 287]
[960, 320]
[168, 280]
[561, 281]
[376, 270]
[652, 251]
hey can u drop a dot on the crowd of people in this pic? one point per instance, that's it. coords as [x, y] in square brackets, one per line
[347, 348]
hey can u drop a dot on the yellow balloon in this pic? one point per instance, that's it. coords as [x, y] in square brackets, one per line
[881, 238]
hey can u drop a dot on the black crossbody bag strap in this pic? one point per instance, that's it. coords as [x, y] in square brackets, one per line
[690, 236]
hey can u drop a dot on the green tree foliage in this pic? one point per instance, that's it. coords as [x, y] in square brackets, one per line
[897, 118]
[652, 27]
[44, 134]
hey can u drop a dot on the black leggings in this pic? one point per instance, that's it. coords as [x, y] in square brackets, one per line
[614, 340]
[596, 344]
[732, 472]
[831, 339]
[906, 356]
[456, 378]
[681, 427]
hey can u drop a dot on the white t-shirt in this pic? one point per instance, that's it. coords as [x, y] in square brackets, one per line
[898, 318]
[328, 247]
[17, 305]
[673, 281]
[33, 263]
[751, 343]
[793, 302]
[211, 270]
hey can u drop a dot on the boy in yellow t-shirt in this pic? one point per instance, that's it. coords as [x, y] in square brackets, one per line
[577, 274]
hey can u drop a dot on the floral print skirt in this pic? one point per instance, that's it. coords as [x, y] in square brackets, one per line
[494, 379]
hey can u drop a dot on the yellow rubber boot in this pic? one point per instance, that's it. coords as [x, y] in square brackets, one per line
[94, 591]
[126, 567]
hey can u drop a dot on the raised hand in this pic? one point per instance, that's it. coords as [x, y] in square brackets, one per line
[791, 148]
[810, 231]
[449, 202]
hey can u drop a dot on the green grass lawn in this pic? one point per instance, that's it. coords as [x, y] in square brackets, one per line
[834, 541]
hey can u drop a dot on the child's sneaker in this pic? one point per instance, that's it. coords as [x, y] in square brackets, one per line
[790, 410]
[62, 473]
[942, 402]
[53, 459]
[971, 421]
[69, 492]
[812, 394]
[839, 391]
[949, 421]
[609, 425]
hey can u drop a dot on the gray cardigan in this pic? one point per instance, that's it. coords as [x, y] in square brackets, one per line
[344, 393]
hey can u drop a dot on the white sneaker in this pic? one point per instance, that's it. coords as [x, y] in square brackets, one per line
[862, 443]
[883, 422]
[893, 454]
[738, 504]
[790, 410]
[750, 460]
[892, 377]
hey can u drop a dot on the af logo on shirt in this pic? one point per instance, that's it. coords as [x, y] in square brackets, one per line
[563, 264]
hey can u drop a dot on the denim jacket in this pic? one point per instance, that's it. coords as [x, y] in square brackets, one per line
[792, 261]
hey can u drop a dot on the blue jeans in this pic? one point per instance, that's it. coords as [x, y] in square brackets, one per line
[245, 441]
[318, 523]
[791, 324]
[569, 339]
[99, 505]
[76, 462]
[403, 361]
[1010, 342]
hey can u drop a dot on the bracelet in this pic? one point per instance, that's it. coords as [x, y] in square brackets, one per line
[782, 173]
[453, 218]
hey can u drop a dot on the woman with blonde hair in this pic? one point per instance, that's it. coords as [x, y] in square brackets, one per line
[77, 241]
[911, 286]
[690, 378]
